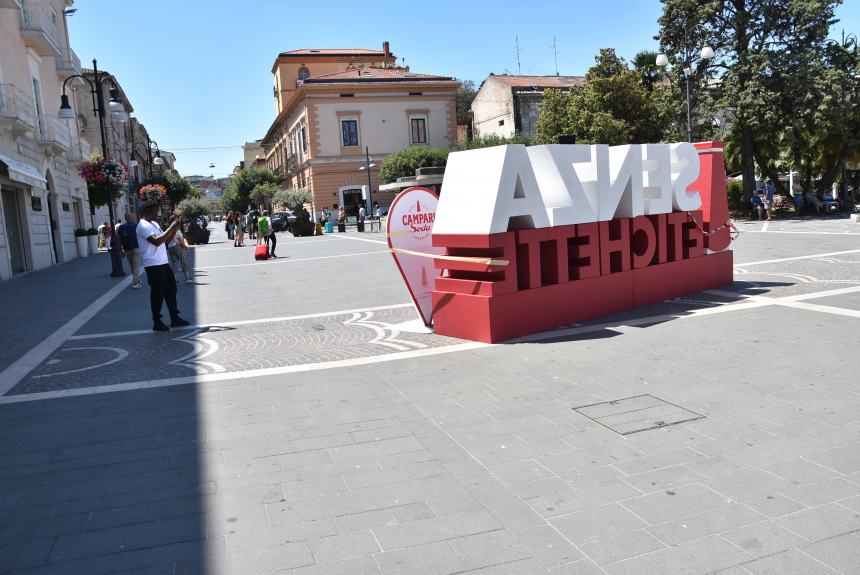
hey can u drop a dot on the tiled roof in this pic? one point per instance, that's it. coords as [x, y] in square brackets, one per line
[373, 75]
[333, 52]
[540, 81]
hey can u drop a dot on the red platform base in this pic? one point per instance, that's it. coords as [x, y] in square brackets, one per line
[501, 317]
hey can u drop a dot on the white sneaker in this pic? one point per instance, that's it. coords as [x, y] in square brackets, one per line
[135, 286]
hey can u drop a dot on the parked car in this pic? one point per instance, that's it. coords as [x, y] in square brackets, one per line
[281, 220]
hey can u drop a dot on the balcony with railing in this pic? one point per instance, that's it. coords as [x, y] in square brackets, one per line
[39, 28]
[68, 64]
[17, 110]
[53, 135]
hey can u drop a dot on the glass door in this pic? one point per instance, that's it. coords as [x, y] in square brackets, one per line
[12, 219]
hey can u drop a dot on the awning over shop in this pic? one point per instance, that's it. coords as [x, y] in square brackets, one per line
[23, 173]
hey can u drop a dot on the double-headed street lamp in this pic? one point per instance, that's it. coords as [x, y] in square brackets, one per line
[114, 107]
[158, 160]
[366, 166]
[706, 53]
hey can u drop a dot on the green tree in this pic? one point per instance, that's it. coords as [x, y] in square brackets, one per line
[191, 208]
[554, 119]
[244, 182]
[261, 191]
[645, 64]
[463, 97]
[406, 161]
[293, 198]
[768, 73]
[495, 140]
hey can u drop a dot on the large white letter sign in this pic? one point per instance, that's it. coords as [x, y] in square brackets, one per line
[657, 178]
[489, 191]
[624, 199]
[685, 171]
[555, 168]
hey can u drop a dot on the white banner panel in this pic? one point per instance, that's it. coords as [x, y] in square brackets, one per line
[410, 223]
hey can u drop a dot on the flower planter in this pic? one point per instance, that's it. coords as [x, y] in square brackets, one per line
[93, 242]
[197, 236]
[83, 247]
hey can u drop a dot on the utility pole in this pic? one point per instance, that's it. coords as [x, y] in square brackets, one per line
[555, 54]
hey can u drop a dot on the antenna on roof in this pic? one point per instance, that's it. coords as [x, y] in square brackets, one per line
[555, 54]
[517, 51]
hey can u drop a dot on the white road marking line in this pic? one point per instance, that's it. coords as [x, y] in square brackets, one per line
[764, 226]
[797, 232]
[795, 258]
[361, 239]
[12, 375]
[821, 308]
[242, 322]
[204, 249]
[750, 303]
[289, 260]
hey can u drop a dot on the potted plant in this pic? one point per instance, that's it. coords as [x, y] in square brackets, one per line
[93, 240]
[191, 209]
[295, 199]
[81, 240]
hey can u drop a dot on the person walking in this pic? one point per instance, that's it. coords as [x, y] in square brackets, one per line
[251, 225]
[131, 250]
[153, 254]
[102, 234]
[228, 225]
[768, 197]
[239, 235]
[176, 249]
[265, 228]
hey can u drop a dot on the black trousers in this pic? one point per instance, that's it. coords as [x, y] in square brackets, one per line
[162, 288]
[274, 239]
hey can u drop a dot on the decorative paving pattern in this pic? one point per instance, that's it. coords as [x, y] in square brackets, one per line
[216, 349]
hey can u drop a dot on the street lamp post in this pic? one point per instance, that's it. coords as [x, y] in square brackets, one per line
[706, 53]
[367, 165]
[114, 106]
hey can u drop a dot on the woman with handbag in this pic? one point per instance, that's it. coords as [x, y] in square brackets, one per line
[176, 253]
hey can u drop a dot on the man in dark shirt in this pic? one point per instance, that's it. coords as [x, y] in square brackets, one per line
[128, 237]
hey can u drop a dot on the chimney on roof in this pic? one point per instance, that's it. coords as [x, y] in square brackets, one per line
[386, 49]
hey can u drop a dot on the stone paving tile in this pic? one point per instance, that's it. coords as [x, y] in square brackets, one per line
[548, 546]
[597, 523]
[669, 505]
[703, 524]
[697, 557]
[747, 484]
[821, 522]
[554, 504]
[664, 479]
[763, 539]
[775, 505]
[584, 567]
[429, 558]
[842, 553]
[819, 493]
[791, 562]
[487, 549]
[356, 566]
[436, 529]
[343, 546]
[620, 547]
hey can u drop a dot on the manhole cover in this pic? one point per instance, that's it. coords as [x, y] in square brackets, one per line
[639, 413]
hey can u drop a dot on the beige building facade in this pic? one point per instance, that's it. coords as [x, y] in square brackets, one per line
[505, 104]
[335, 105]
[43, 197]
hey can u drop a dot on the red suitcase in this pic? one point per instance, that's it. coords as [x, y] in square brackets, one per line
[261, 252]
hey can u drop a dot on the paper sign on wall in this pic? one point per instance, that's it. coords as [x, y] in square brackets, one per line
[410, 223]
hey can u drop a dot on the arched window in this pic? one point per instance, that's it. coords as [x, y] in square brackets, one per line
[304, 74]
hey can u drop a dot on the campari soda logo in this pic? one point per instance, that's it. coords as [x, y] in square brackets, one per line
[419, 221]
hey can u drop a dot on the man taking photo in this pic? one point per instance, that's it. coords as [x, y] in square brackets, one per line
[153, 255]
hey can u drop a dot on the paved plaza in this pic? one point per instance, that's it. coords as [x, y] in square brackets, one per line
[307, 424]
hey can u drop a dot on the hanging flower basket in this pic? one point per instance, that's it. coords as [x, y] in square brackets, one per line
[152, 192]
[105, 179]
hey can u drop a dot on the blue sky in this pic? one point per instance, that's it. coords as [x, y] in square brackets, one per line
[198, 72]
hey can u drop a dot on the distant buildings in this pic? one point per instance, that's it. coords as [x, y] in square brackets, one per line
[209, 186]
[507, 104]
[335, 104]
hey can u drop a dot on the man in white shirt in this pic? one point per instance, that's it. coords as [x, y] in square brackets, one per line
[153, 256]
